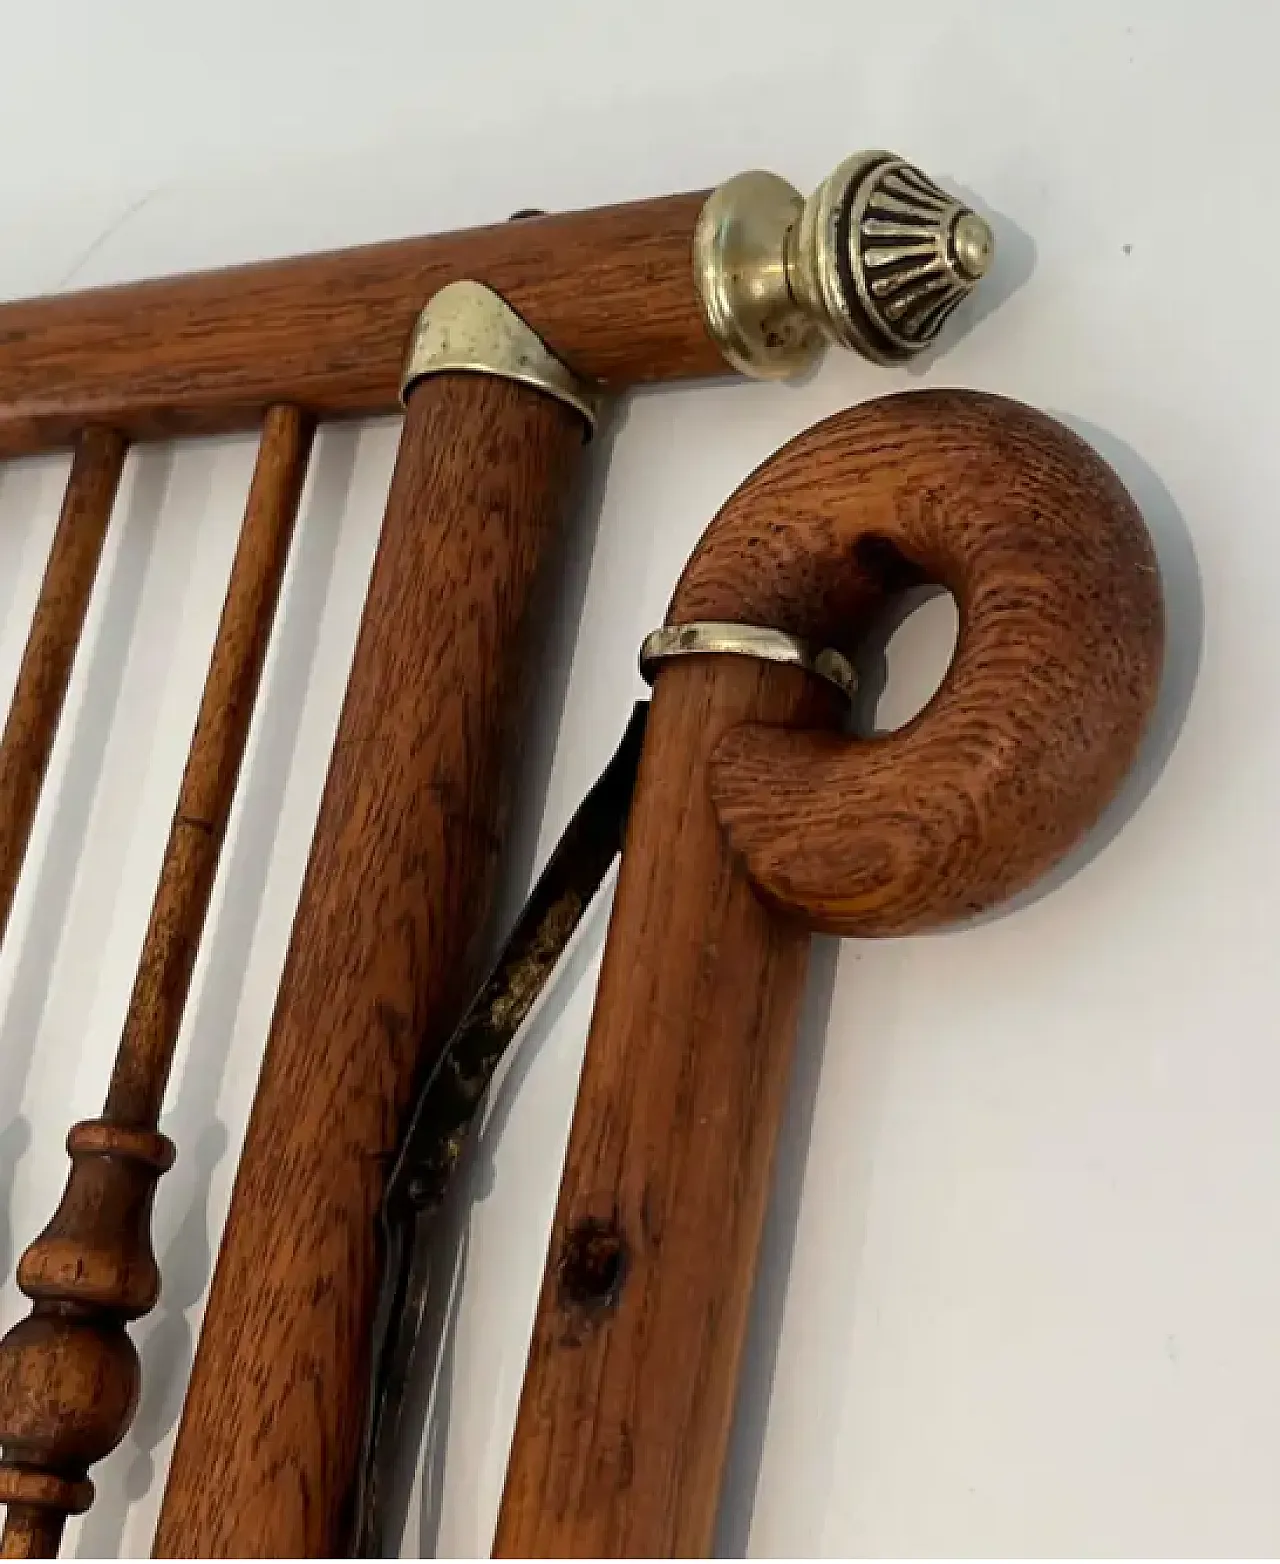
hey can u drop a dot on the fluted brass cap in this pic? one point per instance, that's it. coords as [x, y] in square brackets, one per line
[876, 260]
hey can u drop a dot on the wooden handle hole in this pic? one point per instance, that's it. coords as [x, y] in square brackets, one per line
[903, 659]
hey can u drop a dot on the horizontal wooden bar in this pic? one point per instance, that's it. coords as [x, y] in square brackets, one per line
[610, 291]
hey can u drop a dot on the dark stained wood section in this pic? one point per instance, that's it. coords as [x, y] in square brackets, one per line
[69, 1374]
[383, 952]
[56, 625]
[754, 822]
[629, 1392]
[611, 291]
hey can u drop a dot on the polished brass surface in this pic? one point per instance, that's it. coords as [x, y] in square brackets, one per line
[468, 328]
[741, 273]
[710, 637]
[876, 260]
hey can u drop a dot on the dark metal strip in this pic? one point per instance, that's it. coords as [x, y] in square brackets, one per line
[445, 1108]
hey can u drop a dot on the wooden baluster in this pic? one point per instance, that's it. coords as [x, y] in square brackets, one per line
[69, 1373]
[51, 645]
[752, 824]
[383, 950]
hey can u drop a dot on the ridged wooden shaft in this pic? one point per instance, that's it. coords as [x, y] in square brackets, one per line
[383, 950]
[69, 1374]
[56, 625]
[629, 1393]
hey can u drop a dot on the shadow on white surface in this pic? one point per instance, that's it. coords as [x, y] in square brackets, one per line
[15, 1142]
[555, 619]
[1011, 269]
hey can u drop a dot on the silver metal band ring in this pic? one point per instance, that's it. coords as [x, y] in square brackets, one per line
[710, 636]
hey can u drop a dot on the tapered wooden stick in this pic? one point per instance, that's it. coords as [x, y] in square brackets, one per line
[69, 1374]
[753, 823]
[51, 645]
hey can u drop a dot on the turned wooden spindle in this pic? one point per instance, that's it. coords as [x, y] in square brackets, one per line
[752, 824]
[56, 625]
[69, 1373]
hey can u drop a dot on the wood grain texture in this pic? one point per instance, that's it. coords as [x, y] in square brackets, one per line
[31, 1533]
[628, 1396]
[383, 952]
[610, 291]
[213, 768]
[69, 1374]
[748, 811]
[56, 626]
[1056, 669]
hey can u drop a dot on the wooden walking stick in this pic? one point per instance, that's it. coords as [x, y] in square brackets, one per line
[402, 868]
[756, 821]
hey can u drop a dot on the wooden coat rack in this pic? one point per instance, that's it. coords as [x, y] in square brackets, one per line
[498, 397]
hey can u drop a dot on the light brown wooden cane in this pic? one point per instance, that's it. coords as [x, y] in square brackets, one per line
[754, 823]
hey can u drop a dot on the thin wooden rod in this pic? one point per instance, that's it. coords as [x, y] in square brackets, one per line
[69, 1375]
[55, 632]
[213, 767]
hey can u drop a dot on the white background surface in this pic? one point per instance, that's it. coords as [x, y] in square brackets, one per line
[1022, 1287]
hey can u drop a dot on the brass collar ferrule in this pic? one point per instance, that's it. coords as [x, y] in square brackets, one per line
[468, 328]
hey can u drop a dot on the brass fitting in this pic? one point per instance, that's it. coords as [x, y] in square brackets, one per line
[876, 260]
[468, 328]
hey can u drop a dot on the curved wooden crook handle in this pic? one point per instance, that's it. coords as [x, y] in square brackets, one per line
[623, 1429]
[1055, 673]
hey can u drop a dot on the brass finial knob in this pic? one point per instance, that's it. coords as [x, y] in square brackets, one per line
[876, 260]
